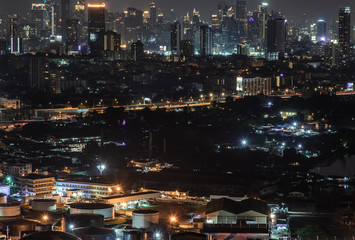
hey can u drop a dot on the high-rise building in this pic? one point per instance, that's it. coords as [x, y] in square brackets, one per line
[96, 27]
[344, 34]
[14, 36]
[153, 14]
[241, 15]
[321, 31]
[175, 38]
[80, 14]
[112, 41]
[133, 18]
[137, 51]
[65, 10]
[186, 48]
[72, 34]
[38, 17]
[206, 43]
[276, 36]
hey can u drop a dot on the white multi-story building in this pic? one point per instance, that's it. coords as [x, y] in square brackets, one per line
[36, 185]
[253, 86]
[89, 189]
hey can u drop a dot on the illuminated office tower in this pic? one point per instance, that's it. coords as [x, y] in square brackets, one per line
[96, 27]
[14, 37]
[72, 34]
[205, 40]
[321, 31]
[241, 15]
[344, 34]
[175, 38]
[153, 14]
[38, 17]
[276, 36]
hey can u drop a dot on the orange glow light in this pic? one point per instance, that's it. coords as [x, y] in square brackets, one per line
[97, 5]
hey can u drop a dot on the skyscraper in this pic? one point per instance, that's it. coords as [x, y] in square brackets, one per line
[96, 27]
[241, 12]
[153, 14]
[64, 16]
[175, 38]
[344, 34]
[72, 34]
[137, 51]
[276, 36]
[205, 40]
[38, 17]
[321, 31]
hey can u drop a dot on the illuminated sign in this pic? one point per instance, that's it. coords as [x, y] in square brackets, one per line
[97, 5]
[350, 86]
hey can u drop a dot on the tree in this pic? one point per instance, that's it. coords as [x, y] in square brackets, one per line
[311, 231]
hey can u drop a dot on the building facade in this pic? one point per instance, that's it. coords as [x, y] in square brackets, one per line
[253, 86]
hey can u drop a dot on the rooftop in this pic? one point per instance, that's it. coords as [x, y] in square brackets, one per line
[130, 195]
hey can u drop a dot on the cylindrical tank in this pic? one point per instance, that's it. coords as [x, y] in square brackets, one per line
[132, 235]
[107, 210]
[5, 189]
[10, 210]
[144, 218]
[50, 235]
[73, 221]
[44, 227]
[3, 198]
[15, 227]
[94, 233]
[45, 205]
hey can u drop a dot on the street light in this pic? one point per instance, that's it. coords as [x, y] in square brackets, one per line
[157, 235]
[101, 168]
[244, 142]
[45, 218]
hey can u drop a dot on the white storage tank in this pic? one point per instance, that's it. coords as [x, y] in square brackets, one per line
[45, 205]
[144, 218]
[5, 189]
[106, 210]
[10, 210]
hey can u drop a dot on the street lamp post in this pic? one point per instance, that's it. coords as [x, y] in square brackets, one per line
[101, 168]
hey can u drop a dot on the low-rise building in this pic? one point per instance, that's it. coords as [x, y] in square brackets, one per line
[90, 189]
[36, 185]
[10, 103]
[226, 218]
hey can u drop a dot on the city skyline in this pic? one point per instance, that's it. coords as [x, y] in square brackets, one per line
[314, 10]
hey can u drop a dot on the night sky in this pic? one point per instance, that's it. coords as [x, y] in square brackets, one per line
[314, 8]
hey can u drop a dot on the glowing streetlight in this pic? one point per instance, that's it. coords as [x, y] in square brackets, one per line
[157, 235]
[118, 188]
[71, 226]
[101, 168]
[244, 142]
[45, 218]
[172, 219]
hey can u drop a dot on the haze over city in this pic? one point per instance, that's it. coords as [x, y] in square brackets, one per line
[177, 120]
[314, 8]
